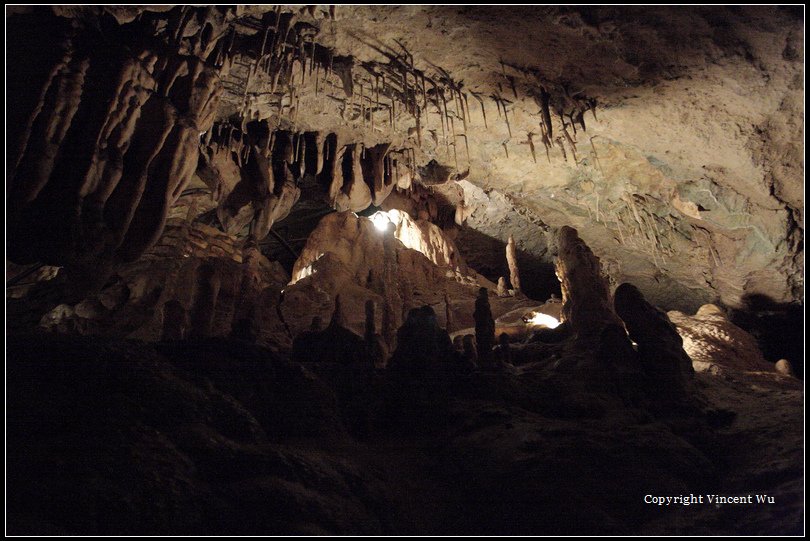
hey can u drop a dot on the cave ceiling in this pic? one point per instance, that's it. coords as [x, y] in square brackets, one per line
[670, 137]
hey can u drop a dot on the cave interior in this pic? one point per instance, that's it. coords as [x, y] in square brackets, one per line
[421, 270]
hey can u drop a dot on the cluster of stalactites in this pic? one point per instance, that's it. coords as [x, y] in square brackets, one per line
[111, 140]
[273, 162]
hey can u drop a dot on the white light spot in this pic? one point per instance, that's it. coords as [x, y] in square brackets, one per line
[543, 320]
[380, 220]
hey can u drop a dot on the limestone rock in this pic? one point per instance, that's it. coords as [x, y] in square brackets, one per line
[511, 259]
[350, 256]
[659, 344]
[586, 302]
[783, 367]
[108, 147]
[711, 339]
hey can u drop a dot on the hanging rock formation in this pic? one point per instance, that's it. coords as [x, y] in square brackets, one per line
[111, 142]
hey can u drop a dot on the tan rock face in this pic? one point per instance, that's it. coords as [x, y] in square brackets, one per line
[711, 339]
[350, 256]
[355, 258]
[357, 243]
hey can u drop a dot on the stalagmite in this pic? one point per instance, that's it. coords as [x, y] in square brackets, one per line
[660, 346]
[206, 291]
[375, 344]
[389, 325]
[502, 290]
[484, 326]
[337, 319]
[587, 306]
[448, 314]
[511, 260]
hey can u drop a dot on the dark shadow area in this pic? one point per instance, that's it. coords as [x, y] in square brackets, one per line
[777, 327]
[296, 227]
[487, 255]
[220, 436]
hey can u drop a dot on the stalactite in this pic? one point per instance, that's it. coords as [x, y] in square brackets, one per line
[424, 101]
[318, 153]
[560, 144]
[544, 108]
[570, 142]
[419, 129]
[312, 56]
[483, 109]
[362, 104]
[506, 118]
[466, 146]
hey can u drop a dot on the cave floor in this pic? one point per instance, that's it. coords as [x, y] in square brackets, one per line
[112, 436]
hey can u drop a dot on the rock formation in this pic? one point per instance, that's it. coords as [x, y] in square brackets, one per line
[375, 344]
[333, 345]
[511, 259]
[254, 101]
[349, 255]
[586, 301]
[660, 347]
[484, 326]
[111, 140]
[239, 237]
[783, 366]
[710, 339]
[422, 346]
[502, 290]
[194, 273]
